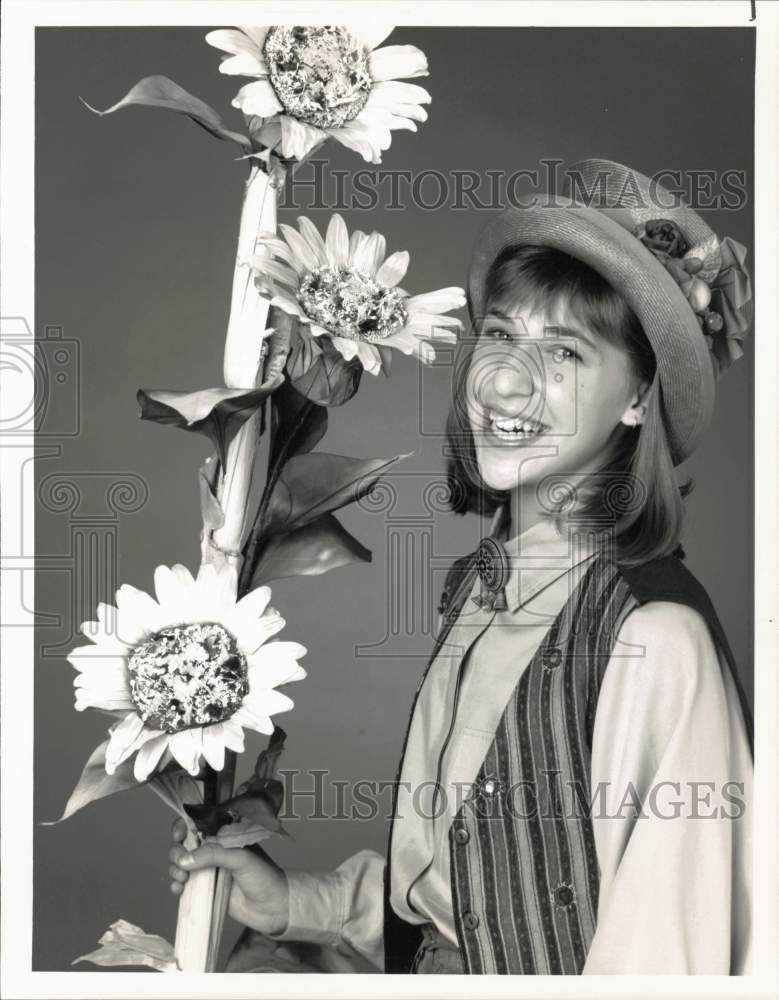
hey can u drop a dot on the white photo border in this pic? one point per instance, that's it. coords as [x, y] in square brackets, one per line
[21, 17]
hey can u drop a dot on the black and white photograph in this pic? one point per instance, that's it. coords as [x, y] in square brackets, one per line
[389, 486]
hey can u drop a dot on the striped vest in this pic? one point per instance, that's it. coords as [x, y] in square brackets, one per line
[524, 870]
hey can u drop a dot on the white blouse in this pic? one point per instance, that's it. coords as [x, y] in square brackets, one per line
[670, 764]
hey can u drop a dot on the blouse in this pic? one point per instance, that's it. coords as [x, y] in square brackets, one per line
[670, 763]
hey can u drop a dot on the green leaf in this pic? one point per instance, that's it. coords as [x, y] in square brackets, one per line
[314, 549]
[331, 380]
[95, 784]
[298, 424]
[313, 485]
[218, 413]
[160, 92]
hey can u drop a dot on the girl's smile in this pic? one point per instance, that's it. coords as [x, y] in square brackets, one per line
[543, 396]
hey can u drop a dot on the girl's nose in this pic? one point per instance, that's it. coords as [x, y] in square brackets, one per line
[505, 382]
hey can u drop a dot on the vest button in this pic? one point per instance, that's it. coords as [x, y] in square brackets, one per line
[564, 895]
[552, 657]
[489, 787]
[470, 921]
[461, 835]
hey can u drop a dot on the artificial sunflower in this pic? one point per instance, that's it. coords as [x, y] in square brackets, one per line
[344, 288]
[186, 672]
[318, 82]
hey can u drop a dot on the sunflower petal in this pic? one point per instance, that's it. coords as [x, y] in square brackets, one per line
[396, 62]
[440, 301]
[121, 741]
[369, 151]
[310, 233]
[299, 246]
[274, 663]
[187, 747]
[214, 746]
[346, 347]
[370, 358]
[148, 757]
[258, 98]
[391, 92]
[297, 138]
[254, 719]
[337, 242]
[372, 34]
[393, 269]
[370, 254]
[260, 631]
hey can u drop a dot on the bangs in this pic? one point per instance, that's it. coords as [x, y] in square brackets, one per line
[545, 280]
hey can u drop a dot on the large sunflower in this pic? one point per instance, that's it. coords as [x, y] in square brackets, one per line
[345, 289]
[319, 82]
[186, 672]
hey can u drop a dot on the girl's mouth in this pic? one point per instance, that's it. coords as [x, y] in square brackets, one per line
[515, 430]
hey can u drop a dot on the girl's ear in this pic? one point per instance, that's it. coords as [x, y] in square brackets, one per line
[635, 413]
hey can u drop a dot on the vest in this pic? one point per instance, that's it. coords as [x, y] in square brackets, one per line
[523, 864]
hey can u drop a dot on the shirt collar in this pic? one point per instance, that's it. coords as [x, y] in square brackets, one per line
[539, 556]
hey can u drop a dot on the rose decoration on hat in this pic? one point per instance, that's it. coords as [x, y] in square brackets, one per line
[714, 281]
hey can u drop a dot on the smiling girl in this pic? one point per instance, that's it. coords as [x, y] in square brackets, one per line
[574, 794]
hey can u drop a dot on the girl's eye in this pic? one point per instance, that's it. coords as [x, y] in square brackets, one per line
[498, 333]
[564, 354]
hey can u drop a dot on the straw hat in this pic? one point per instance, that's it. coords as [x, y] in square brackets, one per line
[689, 289]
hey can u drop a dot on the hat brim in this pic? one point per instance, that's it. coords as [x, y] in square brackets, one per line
[685, 370]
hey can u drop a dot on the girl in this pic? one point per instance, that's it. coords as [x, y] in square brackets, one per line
[574, 793]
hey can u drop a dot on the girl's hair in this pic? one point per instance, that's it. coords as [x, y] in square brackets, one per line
[634, 501]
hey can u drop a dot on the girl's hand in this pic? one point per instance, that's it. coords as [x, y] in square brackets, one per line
[259, 897]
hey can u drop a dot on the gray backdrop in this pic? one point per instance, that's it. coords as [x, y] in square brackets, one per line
[136, 225]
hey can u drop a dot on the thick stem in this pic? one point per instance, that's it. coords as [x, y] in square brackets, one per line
[203, 903]
[243, 358]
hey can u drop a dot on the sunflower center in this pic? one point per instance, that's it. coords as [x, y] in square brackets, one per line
[320, 74]
[188, 675]
[352, 304]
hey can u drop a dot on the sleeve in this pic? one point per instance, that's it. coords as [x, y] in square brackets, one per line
[342, 909]
[672, 799]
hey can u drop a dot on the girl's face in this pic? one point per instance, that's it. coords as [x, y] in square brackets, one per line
[544, 395]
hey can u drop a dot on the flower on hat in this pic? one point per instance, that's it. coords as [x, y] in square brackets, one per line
[345, 289]
[713, 279]
[662, 236]
[317, 82]
[186, 672]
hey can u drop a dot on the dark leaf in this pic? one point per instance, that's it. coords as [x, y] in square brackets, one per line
[266, 765]
[160, 92]
[315, 548]
[218, 413]
[313, 485]
[298, 424]
[209, 819]
[305, 350]
[331, 380]
[258, 808]
[95, 784]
